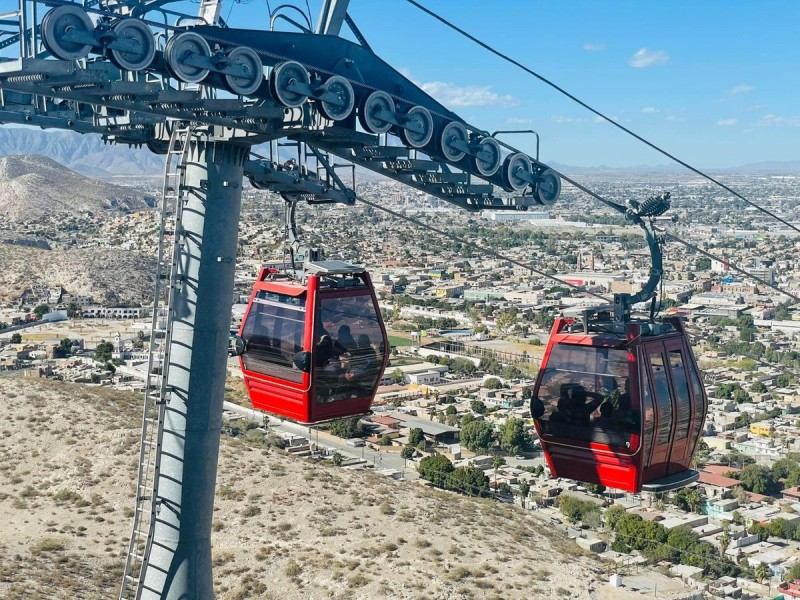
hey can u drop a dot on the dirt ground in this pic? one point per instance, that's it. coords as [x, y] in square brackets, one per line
[284, 527]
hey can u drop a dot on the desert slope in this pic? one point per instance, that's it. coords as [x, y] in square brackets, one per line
[284, 527]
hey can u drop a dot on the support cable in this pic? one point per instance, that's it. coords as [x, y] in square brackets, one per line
[491, 252]
[574, 98]
[691, 246]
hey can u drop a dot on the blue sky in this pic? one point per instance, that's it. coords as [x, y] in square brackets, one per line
[715, 83]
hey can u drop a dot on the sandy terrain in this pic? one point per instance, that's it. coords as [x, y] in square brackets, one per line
[284, 527]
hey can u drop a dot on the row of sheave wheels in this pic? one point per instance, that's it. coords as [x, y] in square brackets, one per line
[69, 34]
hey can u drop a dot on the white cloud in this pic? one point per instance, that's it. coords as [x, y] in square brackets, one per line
[518, 121]
[726, 122]
[676, 118]
[599, 119]
[648, 58]
[650, 109]
[591, 47]
[740, 89]
[781, 121]
[757, 107]
[562, 119]
[470, 95]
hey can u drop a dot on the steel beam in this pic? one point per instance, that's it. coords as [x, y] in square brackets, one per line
[179, 565]
[332, 16]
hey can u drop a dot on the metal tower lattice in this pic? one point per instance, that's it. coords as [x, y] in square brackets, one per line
[156, 389]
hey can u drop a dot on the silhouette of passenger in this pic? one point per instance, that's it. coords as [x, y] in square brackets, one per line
[345, 338]
[576, 404]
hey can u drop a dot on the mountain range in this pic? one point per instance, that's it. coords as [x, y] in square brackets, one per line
[89, 155]
[32, 187]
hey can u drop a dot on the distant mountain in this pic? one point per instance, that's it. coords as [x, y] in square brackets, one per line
[32, 187]
[86, 154]
[776, 167]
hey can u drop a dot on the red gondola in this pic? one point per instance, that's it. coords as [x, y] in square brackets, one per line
[624, 410]
[313, 351]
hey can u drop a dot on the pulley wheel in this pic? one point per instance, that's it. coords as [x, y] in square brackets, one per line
[282, 75]
[143, 47]
[517, 171]
[548, 188]
[377, 101]
[490, 157]
[453, 132]
[424, 121]
[248, 60]
[342, 88]
[57, 23]
[180, 47]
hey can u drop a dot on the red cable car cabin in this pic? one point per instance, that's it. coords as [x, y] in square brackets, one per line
[625, 412]
[313, 351]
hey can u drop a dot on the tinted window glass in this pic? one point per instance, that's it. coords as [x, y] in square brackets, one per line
[699, 396]
[586, 396]
[663, 402]
[647, 410]
[274, 333]
[683, 400]
[349, 348]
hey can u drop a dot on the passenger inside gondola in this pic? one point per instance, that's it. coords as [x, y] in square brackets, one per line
[580, 396]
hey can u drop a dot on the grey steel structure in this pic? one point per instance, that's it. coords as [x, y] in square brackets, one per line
[137, 72]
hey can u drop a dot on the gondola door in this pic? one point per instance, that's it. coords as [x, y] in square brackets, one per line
[664, 410]
[680, 454]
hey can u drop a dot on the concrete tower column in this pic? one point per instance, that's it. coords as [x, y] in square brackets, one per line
[179, 566]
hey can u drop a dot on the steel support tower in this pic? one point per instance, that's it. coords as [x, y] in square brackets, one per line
[179, 561]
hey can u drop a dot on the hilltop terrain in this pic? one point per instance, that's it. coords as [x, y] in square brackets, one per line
[284, 527]
[32, 187]
[109, 275]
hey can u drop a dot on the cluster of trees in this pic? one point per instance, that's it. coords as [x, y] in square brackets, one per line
[575, 510]
[480, 436]
[777, 527]
[680, 545]
[459, 366]
[467, 480]
[16, 338]
[733, 391]
[347, 428]
[765, 480]
[103, 351]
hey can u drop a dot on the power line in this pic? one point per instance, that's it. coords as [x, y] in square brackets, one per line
[732, 266]
[574, 98]
[478, 247]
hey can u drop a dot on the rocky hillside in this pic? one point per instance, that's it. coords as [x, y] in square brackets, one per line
[284, 527]
[32, 187]
[87, 154]
[107, 274]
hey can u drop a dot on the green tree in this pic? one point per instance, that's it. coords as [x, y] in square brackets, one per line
[497, 462]
[103, 351]
[435, 469]
[65, 346]
[451, 410]
[506, 321]
[493, 383]
[73, 310]
[792, 572]
[758, 387]
[347, 428]
[468, 480]
[41, 311]
[477, 435]
[514, 437]
[386, 440]
[523, 491]
[478, 407]
[397, 376]
[575, 509]
[415, 436]
[762, 572]
[702, 264]
[337, 459]
[758, 479]
[724, 540]
[408, 451]
[16, 338]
